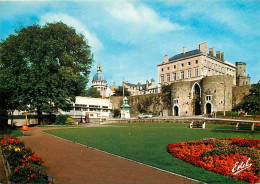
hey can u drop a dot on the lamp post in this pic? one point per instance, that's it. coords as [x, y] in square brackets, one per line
[224, 103]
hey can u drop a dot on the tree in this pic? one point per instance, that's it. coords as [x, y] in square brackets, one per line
[44, 67]
[119, 91]
[92, 92]
[251, 102]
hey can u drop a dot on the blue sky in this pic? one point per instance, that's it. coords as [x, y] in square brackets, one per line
[130, 37]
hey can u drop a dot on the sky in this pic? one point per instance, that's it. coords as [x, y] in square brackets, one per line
[129, 38]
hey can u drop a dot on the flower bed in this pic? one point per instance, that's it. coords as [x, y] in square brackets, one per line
[25, 165]
[233, 157]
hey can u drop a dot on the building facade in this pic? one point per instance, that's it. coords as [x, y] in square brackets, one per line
[99, 82]
[194, 65]
[141, 89]
[201, 82]
[94, 108]
[203, 96]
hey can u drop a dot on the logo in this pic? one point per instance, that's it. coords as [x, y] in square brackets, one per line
[241, 166]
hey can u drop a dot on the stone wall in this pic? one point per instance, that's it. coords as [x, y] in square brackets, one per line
[239, 92]
[152, 103]
[220, 88]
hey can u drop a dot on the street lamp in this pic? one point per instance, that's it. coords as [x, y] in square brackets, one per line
[224, 103]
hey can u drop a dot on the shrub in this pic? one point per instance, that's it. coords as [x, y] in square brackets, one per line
[69, 121]
[61, 119]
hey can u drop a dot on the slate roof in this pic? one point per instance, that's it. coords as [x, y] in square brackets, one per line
[187, 54]
[99, 77]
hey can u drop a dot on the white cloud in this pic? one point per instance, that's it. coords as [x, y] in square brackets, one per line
[140, 17]
[93, 41]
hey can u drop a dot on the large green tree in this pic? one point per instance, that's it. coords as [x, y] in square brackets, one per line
[44, 67]
[251, 102]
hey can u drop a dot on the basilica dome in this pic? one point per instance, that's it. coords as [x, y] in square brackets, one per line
[99, 75]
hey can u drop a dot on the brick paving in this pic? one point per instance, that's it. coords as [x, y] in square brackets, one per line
[71, 163]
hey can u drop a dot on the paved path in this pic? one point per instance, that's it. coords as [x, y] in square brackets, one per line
[71, 163]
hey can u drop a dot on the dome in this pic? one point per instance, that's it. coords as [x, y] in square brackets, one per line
[99, 77]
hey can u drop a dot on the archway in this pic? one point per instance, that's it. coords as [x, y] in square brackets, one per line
[196, 93]
[208, 108]
[176, 110]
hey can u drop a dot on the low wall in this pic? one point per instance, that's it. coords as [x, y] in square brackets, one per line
[21, 122]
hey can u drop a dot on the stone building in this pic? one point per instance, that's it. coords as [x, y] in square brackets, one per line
[201, 82]
[99, 82]
[241, 78]
[194, 65]
[141, 89]
[202, 96]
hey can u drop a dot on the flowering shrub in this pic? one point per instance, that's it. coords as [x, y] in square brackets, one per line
[26, 166]
[230, 157]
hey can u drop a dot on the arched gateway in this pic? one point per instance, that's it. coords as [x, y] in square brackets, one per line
[196, 98]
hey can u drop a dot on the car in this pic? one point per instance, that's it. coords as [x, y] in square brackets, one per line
[140, 116]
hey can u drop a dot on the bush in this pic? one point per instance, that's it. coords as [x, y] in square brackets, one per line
[62, 119]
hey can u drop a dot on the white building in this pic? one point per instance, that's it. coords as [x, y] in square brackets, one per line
[92, 107]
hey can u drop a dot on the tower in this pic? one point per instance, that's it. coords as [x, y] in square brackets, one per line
[99, 81]
[241, 78]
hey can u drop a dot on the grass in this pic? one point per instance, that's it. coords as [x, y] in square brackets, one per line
[146, 143]
[11, 132]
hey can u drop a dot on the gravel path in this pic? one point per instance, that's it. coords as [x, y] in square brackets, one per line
[71, 163]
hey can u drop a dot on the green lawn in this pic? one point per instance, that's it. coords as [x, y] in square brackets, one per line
[10, 132]
[146, 143]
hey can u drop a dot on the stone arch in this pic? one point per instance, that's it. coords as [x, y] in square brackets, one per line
[196, 98]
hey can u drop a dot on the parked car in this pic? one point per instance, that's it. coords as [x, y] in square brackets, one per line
[140, 116]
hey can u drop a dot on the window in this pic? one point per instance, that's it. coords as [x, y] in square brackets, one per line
[174, 66]
[188, 63]
[168, 77]
[168, 68]
[196, 61]
[182, 75]
[175, 101]
[162, 78]
[208, 97]
[174, 76]
[162, 69]
[196, 71]
[182, 65]
[189, 73]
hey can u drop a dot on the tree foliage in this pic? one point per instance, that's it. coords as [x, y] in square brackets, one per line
[251, 102]
[91, 92]
[119, 91]
[43, 67]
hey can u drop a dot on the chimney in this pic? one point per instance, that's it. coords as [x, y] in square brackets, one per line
[184, 50]
[152, 81]
[203, 48]
[222, 56]
[147, 84]
[211, 51]
[166, 59]
[218, 55]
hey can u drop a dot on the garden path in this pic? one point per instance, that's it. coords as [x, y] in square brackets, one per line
[71, 163]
